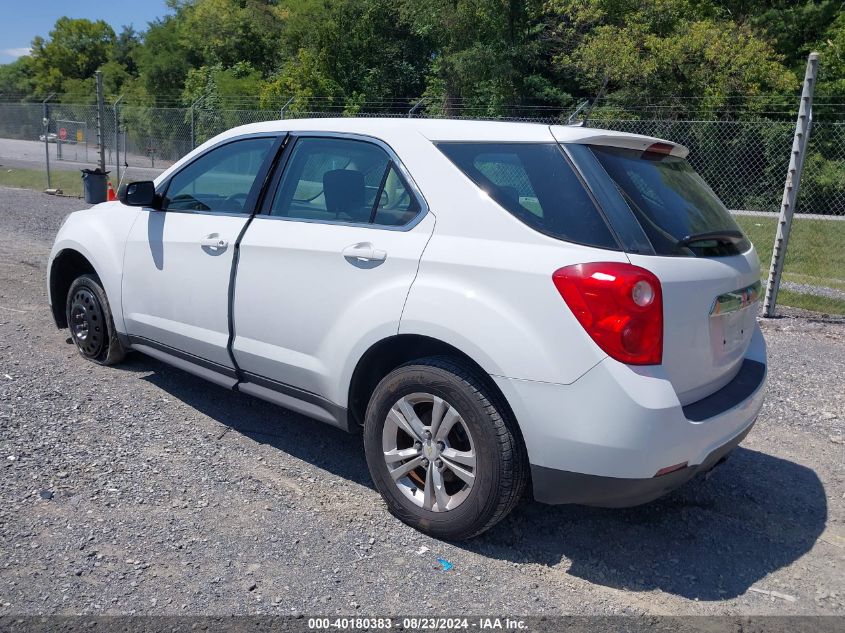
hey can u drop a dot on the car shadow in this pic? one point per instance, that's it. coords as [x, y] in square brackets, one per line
[710, 540]
[320, 444]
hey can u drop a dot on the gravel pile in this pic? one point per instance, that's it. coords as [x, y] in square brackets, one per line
[143, 490]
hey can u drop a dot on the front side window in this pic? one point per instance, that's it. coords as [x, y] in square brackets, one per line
[220, 180]
[343, 180]
[535, 183]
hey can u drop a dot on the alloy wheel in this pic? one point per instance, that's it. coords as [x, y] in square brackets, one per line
[429, 452]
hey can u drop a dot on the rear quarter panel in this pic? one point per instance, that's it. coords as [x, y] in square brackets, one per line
[485, 281]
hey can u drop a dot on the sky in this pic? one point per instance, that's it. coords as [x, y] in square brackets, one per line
[20, 21]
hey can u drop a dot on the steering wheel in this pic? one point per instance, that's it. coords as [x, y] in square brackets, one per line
[239, 198]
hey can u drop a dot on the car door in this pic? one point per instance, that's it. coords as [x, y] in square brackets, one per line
[178, 260]
[324, 270]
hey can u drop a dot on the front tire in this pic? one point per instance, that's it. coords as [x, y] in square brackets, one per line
[443, 450]
[90, 322]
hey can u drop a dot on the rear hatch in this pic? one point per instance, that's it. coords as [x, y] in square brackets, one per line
[675, 226]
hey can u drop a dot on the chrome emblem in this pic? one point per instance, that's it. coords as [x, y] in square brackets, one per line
[736, 300]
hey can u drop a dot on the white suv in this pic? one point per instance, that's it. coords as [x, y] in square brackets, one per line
[499, 305]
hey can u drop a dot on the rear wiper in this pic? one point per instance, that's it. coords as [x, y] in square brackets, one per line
[725, 236]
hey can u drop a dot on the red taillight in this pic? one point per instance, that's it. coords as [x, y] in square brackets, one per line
[619, 305]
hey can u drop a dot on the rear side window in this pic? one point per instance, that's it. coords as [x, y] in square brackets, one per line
[671, 202]
[343, 180]
[535, 183]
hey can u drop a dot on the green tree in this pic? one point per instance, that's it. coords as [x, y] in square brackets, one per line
[485, 54]
[303, 80]
[74, 50]
[832, 60]
[665, 48]
[227, 32]
[125, 48]
[164, 61]
[17, 79]
[349, 51]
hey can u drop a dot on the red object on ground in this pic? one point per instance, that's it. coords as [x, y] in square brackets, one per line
[111, 194]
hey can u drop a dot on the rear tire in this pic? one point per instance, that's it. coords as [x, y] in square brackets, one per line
[443, 450]
[90, 322]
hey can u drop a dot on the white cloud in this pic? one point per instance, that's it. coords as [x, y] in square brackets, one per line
[15, 52]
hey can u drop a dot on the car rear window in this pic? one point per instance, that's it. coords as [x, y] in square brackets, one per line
[671, 202]
[535, 183]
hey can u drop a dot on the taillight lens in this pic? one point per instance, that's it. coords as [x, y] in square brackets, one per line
[619, 305]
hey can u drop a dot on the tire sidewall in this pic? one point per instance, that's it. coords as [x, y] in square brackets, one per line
[483, 497]
[107, 352]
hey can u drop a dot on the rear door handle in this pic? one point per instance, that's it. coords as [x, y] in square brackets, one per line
[364, 251]
[214, 241]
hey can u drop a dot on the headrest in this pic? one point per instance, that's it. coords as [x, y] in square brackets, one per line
[344, 190]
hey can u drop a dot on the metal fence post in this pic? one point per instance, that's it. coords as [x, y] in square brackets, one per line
[117, 137]
[101, 115]
[790, 189]
[46, 125]
[416, 107]
[285, 107]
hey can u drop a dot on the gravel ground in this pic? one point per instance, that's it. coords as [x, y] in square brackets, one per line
[810, 289]
[143, 490]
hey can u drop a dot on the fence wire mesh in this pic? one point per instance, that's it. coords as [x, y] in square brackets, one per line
[745, 162]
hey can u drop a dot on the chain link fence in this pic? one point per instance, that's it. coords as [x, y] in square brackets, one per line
[745, 162]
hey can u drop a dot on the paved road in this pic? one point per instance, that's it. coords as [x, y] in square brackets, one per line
[142, 489]
[30, 155]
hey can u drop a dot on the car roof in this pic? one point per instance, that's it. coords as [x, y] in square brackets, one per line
[444, 130]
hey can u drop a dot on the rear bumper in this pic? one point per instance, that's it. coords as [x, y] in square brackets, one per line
[559, 486]
[602, 439]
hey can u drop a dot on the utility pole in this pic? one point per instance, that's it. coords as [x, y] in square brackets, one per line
[101, 116]
[793, 180]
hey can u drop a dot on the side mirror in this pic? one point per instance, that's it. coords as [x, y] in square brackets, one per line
[139, 194]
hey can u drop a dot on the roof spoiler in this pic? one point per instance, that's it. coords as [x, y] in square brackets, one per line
[595, 136]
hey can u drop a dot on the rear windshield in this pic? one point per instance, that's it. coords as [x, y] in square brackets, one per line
[672, 203]
[535, 183]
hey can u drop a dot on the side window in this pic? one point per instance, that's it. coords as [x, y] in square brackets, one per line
[535, 183]
[342, 180]
[507, 173]
[396, 205]
[219, 181]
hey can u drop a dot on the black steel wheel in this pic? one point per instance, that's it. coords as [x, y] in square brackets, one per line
[90, 322]
[87, 325]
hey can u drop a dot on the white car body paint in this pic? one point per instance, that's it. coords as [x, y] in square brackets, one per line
[99, 234]
[295, 266]
[175, 289]
[468, 274]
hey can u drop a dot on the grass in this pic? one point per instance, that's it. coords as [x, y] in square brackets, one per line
[70, 182]
[815, 255]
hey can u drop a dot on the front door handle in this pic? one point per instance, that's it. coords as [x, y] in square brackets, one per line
[214, 241]
[364, 251]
